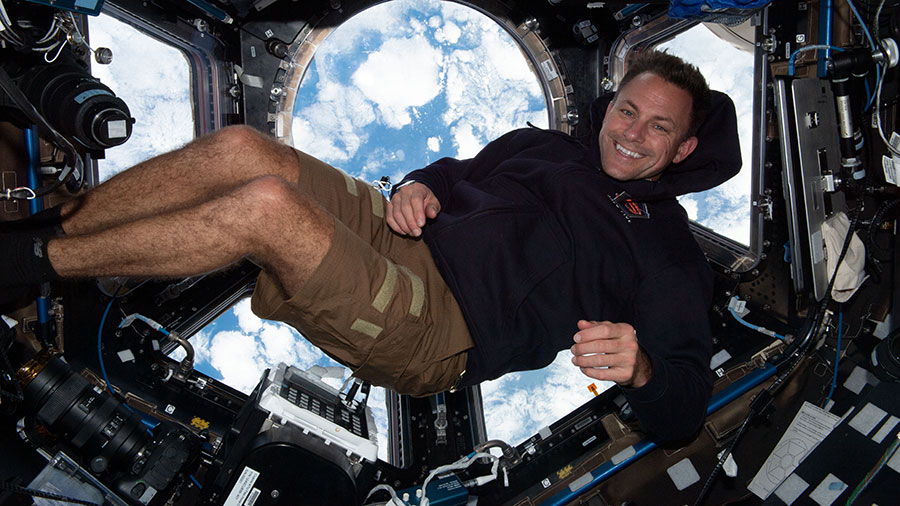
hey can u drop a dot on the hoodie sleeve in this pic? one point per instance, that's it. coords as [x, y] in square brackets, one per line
[672, 325]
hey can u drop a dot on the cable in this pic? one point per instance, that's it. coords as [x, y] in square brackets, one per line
[128, 320]
[887, 143]
[462, 463]
[837, 357]
[795, 353]
[44, 495]
[885, 457]
[389, 489]
[758, 328]
[814, 47]
[100, 348]
[863, 24]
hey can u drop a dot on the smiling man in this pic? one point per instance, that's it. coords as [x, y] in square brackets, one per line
[475, 268]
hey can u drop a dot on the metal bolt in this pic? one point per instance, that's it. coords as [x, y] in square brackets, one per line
[801, 38]
[607, 84]
[103, 55]
[276, 91]
[275, 493]
[637, 21]
[531, 23]
[201, 25]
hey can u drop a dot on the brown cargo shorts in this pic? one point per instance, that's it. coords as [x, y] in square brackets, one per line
[376, 303]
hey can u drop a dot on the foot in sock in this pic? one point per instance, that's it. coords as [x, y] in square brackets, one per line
[49, 219]
[26, 260]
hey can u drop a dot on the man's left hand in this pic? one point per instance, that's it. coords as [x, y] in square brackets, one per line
[610, 351]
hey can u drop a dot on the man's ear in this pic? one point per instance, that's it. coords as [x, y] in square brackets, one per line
[684, 149]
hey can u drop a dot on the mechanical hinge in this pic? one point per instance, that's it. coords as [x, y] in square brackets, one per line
[769, 43]
[440, 424]
[765, 205]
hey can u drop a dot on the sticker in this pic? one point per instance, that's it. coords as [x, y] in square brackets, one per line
[117, 129]
[867, 418]
[683, 474]
[791, 488]
[242, 487]
[623, 455]
[126, 356]
[81, 97]
[251, 499]
[858, 379]
[827, 491]
[581, 482]
[629, 208]
[885, 429]
[548, 70]
[719, 358]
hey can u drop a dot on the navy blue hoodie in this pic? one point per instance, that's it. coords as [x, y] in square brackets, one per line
[530, 240]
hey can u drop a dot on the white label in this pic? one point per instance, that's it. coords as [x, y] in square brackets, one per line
[242, 487]
[251, 499]
[548, 70]
[117, 129]
[810, 426]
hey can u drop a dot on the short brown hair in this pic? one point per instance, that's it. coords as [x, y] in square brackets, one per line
[678, 72]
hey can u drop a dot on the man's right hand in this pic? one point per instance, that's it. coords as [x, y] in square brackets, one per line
[409, 207]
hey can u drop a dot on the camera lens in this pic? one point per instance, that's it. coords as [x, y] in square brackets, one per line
[77, 104]
[84, 415]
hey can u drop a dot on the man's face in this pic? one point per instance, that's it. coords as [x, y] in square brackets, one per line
[644, 129]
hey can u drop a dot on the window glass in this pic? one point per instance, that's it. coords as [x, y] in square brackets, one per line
[726, 208]
[154, 81]
[404, 84]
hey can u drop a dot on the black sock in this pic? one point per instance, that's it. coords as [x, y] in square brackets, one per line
[26, 260]
[48, 218]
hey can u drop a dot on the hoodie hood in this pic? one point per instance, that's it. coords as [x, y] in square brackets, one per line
[715, 160]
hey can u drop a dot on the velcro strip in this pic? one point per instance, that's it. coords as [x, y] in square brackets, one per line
[377, 202]
[367, 328]
[351, 184]
[418, 292]
[387, 287]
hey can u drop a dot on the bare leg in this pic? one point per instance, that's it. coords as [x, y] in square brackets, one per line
[268, 219]
[206, 168]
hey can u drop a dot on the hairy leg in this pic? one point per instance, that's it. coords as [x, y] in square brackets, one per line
[269, 219]
[208, 167]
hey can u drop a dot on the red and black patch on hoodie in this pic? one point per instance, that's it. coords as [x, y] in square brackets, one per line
[629, 208]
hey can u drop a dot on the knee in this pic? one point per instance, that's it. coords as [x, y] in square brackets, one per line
[238, 138]
[254, 153]
[272, 201]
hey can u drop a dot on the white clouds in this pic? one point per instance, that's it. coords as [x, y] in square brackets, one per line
[433, 144]
[488, 85]
[448, 34]
[247, 321]
[158, 96]
[689, 203]
[725, 209]
[331, 129]
[403, 73]
[237, 357]
[518, 405]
